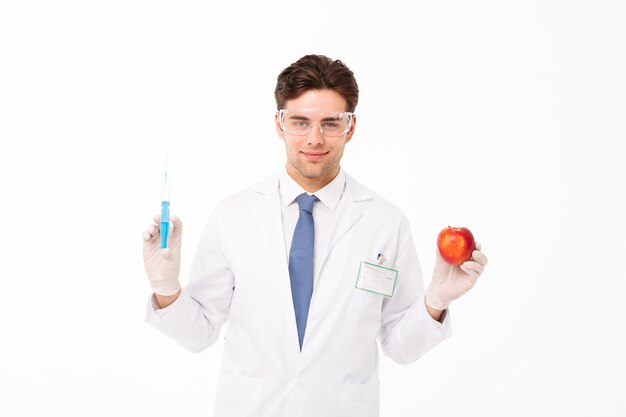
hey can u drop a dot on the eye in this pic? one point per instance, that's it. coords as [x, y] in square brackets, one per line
[297, 122]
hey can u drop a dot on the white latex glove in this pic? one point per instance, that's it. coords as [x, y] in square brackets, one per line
[163, 265]
[452, 281]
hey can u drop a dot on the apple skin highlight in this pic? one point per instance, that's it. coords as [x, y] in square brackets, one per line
[455, 244]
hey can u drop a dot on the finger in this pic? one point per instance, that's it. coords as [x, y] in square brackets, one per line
[479, 257]
[477, 245]
[176, 222]
[474, 269]
[177, 229]
[173, 219]
[472, 276]
[151, 231]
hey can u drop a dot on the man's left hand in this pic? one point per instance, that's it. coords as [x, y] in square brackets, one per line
[452, 281]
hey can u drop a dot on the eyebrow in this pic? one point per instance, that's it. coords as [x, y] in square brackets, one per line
[325, 119]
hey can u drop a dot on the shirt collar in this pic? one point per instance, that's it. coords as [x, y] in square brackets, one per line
[328, 195]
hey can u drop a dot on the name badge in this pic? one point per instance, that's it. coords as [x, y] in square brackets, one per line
[376, 278]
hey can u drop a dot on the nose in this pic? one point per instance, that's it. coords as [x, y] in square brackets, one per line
[315, 135]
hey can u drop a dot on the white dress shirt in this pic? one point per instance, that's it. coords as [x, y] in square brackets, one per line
[323, 213]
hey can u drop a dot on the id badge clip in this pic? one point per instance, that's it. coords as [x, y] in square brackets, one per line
[376, 278]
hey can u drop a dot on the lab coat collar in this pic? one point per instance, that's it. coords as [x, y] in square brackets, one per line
[328, 195]
[353, 191]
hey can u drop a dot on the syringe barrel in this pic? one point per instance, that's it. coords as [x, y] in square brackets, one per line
[165, 222]
[165, 191]
[165, 211]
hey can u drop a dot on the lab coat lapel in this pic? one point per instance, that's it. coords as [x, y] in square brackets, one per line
[349, 212]
[268, 215]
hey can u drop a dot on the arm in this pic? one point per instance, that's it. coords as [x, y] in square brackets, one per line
[409, 328]
[434, 313]
[166, 300]
[194, 315]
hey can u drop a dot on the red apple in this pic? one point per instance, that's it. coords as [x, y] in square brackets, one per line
[455, 244]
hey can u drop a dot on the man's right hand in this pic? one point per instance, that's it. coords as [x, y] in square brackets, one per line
[163, 265]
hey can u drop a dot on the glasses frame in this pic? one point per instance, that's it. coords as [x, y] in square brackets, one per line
[281, 115]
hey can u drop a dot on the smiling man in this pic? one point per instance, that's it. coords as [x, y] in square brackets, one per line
[314, 138]
[311, 269]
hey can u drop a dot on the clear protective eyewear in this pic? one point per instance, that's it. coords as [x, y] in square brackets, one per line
[300, 122]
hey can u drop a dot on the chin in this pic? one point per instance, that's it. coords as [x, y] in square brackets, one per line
[311, 171]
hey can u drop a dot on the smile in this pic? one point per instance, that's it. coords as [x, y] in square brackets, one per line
[314, 156]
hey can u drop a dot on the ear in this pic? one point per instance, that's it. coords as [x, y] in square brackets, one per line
[351, 131]
[279, 130]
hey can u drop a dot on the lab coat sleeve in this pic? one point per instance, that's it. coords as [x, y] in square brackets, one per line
[196, 317]
[407, 330]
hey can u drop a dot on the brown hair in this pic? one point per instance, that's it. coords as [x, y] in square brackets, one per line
[316, 72]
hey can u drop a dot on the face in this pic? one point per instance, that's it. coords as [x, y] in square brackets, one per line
[313, 159]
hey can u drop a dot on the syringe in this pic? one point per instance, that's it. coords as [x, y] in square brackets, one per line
[165, 209]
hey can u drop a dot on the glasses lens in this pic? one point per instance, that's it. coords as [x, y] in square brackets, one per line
[300, 122]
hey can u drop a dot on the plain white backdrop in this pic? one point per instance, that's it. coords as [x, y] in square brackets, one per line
[504, 117]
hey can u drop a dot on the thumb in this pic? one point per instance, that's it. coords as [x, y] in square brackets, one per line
[177, 228]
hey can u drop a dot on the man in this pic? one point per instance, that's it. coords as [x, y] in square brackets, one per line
[293, 263]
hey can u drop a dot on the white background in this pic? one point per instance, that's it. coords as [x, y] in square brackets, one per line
[505, 117]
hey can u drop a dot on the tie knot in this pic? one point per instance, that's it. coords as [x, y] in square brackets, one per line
[305, 202]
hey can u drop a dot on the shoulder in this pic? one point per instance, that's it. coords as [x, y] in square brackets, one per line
[372, 201]
[242, 199]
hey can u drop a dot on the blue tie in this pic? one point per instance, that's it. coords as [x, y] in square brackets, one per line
[301, 262]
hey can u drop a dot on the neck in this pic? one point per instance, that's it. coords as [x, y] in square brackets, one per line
[311, 184]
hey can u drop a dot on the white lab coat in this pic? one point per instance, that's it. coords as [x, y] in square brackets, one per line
[240, 273]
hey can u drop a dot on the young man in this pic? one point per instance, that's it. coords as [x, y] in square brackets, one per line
[292, 263]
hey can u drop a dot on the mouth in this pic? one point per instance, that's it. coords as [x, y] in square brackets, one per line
[314, 156]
